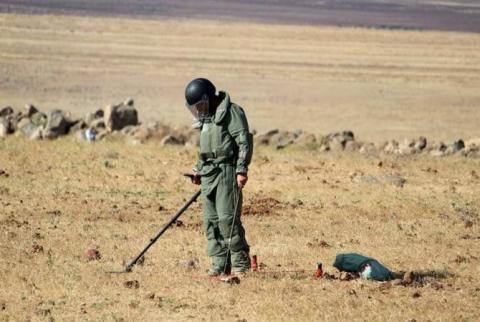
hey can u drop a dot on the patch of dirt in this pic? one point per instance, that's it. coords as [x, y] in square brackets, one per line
[263, 207]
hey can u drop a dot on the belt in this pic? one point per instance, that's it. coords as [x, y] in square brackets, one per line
[217, 157]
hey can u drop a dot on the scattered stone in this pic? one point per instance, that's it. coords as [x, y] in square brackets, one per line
[150, 296]
[307, 140]
[92, 254]
[6, 111]
[36, 248]
[29, 130]
[416, 295]
[408, 278]
[129, 101]
[30, 110]
[78, 125]
[172, 140]
[458, 145]
[368, 149]
[264, 138]
[421, 143]
[116, 117]
[3, 127]
[3, 173]
[133, 284]
[391, 147]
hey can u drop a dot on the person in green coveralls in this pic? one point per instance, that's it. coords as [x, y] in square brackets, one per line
[226, 147]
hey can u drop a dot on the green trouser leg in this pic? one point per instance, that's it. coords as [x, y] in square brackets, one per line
[218, 212]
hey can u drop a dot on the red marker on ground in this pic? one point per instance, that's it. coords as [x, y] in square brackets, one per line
[254, 263]
[319, 271]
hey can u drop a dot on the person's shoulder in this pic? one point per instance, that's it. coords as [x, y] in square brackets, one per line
[236, 109]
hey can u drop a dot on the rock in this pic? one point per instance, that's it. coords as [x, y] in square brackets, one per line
[101, 134]
[129, 129]
[368, 149]
[77, 126]
[3, 127]
[471, 150]
[336, 145]
[352, 146]
[338, 140]
[391, 147]
[37, 134]
[92, 254]
[282, 139]
[408, 278]
[420, 144]
[116, 117]
[458, 146]
[134, 284]
[92, 116]
[29, 130]
[437, 153]
[30, 110]
[306, 140]
[57, 125]
[6, 111]
[264, 138]
[98, 124]
[39, 119]
[172, 140]
[129, 101]
[406, 148]
[36, 248]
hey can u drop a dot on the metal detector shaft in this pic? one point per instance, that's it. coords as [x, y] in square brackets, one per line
[129, 267]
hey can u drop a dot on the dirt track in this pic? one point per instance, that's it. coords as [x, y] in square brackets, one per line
[455, 15]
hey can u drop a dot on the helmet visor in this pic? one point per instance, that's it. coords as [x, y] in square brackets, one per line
[199, 109]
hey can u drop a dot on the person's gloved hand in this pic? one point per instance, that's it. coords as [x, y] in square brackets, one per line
[196, 179]
[242, 179]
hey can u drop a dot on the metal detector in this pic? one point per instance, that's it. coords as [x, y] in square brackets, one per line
[130, 266]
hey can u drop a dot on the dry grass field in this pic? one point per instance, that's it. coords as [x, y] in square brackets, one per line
[381, 84]
[62, 197]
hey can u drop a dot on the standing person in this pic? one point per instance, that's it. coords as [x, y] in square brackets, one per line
[226, 147]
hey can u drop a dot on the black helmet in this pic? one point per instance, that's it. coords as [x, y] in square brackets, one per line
[197, 89]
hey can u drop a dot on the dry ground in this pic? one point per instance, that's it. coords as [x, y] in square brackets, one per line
[302, 207]
[381, 84]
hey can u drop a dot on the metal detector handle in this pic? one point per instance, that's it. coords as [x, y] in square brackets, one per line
[194, 198]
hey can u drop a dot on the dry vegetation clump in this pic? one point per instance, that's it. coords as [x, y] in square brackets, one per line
[65, 200]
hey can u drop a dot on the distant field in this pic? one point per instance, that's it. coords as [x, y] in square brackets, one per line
[380, 84]
[456, 15]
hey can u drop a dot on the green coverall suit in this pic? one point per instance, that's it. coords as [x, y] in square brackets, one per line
[224, 149]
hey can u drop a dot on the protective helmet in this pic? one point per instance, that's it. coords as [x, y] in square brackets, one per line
[198, 95]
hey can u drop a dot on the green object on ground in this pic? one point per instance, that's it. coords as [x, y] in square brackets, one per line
[355, 263]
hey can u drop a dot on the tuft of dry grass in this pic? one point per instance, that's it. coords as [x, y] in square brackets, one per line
[63, 197]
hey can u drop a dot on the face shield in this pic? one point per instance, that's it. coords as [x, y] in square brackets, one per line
[200, 109]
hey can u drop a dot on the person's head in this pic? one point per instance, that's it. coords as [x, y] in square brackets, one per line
[200, 95]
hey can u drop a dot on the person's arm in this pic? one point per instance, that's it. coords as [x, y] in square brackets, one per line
[238, 128]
